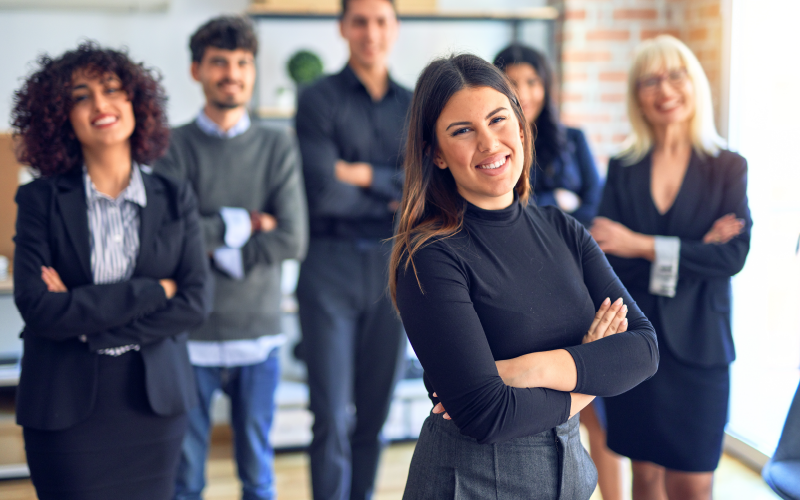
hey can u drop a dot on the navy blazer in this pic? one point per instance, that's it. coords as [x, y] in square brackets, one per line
[573, 169]
[696, 323]
[59, 375]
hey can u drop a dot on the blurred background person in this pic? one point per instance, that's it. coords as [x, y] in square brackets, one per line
[250, 192]
[506, 304]
[351, 128]
[109, 274]
[675, 224]
[565, 176]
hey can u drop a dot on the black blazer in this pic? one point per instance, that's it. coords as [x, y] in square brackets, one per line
[696, 323]
[59, 375]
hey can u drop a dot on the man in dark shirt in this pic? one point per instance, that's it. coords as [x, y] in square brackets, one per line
[351, 130]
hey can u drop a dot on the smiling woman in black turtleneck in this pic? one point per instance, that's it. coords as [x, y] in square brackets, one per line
[513, 310]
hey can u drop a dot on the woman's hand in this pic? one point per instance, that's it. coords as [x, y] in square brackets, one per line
[616, 239]
[724, 230]
[440, 409]
[53, 280]
[169, 286]
[609, 320]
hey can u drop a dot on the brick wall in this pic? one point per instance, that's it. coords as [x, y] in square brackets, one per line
[596, 40]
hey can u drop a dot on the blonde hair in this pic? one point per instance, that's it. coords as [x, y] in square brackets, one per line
[667, 52]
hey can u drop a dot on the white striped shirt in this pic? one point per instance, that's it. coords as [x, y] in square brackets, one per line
[114, 234]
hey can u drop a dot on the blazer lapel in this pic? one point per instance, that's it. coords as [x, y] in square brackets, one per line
[151, 216]
[684, 213]
[71, 199]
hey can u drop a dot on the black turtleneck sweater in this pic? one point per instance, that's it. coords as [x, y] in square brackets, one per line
[512, 282]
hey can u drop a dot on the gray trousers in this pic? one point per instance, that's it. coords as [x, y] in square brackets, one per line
[552, 465]
[353, 343]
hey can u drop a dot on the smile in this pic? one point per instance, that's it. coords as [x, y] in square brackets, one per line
[494, 165]
[105, 120]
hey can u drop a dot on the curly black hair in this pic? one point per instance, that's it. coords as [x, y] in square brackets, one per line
[40, 117]
[224, 32]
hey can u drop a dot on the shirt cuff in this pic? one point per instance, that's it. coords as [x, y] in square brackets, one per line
[229, 261]
[664, 270]
[237, 226]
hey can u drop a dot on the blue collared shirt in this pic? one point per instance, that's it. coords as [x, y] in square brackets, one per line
[208, 126]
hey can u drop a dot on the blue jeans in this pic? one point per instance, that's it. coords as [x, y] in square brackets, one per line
[251, 389]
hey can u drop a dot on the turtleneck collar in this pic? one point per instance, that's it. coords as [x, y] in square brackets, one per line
[502, 217]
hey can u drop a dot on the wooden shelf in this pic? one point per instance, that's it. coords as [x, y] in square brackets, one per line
[532, 14]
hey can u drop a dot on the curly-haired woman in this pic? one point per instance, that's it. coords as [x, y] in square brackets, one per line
[109, 272]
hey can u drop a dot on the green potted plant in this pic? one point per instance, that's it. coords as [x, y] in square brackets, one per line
[304, 68]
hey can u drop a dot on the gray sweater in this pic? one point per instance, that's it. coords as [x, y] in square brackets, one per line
[258, 170]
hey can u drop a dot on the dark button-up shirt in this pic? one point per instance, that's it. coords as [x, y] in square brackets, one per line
[337, 119]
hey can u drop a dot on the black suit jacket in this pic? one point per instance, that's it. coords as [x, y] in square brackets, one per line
[59, 375]
[696, 323]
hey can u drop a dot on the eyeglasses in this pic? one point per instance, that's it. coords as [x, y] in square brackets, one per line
[675, 77]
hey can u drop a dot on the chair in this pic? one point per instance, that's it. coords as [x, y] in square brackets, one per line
[782, 472]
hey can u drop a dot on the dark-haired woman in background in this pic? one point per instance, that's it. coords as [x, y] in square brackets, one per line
[109, 272]
[506, 304]
[564, 176]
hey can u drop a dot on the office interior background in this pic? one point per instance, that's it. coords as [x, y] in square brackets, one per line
[746, 48]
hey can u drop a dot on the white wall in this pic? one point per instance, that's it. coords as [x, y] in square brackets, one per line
[160, 39]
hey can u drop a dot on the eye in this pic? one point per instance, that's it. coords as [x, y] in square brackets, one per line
[497, 119]
[79, 98]
[460, 131]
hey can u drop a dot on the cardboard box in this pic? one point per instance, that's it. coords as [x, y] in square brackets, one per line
[9, 180]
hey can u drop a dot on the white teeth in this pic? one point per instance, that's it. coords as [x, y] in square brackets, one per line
[492, 166]
[106, 121]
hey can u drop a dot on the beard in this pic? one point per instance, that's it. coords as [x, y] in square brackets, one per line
[226, 105]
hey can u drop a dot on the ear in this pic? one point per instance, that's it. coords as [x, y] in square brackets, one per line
[439, 161]
[195, 70]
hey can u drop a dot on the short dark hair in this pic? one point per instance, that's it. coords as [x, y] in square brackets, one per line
[224, 32]
[40, 118]
[550, 138]
[345, 2]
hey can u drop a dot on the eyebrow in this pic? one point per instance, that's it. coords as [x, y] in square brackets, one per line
[454, 124]
[81, 86]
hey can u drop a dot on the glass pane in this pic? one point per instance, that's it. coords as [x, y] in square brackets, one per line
[764, 128]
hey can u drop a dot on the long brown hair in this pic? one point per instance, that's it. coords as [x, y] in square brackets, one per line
[431, 205]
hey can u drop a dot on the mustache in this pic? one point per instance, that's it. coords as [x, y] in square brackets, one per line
[228, 81]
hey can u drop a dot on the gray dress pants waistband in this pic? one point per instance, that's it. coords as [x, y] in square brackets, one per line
[552, 465]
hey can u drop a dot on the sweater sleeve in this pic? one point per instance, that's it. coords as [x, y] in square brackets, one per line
[174, 164]
[447, 335]
[287, 203]
[620, 362]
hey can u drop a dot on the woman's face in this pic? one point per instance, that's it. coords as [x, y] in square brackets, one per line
[102, 114]
[480, 142]
[666, 97]
[530, 89]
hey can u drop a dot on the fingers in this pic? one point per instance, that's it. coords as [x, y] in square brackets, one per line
[438, 408]
[616, 321]
[599, 314]
[52, 280]
[608, 317]
[623, 326]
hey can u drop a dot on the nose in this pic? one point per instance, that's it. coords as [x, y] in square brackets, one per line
[487, 140]
[100, 101]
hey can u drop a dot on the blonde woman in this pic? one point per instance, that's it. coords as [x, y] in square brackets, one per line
[675, 225]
